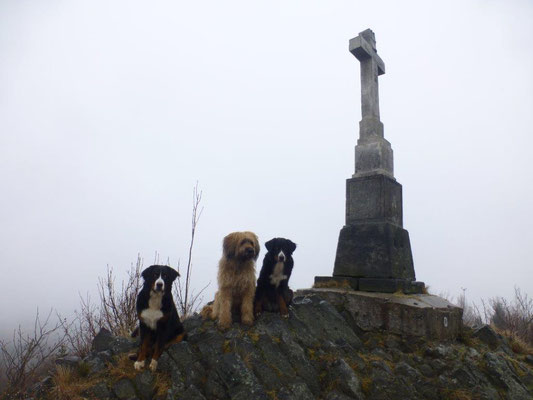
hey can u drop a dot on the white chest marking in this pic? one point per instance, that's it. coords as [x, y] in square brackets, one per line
[153, 313]
[277, 275]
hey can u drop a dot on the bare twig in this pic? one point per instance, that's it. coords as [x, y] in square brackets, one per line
[188, 301]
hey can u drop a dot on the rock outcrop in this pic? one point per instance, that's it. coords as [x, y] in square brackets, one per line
[318, 353]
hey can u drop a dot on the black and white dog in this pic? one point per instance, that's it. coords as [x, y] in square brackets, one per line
[159, 323]
[272, 292]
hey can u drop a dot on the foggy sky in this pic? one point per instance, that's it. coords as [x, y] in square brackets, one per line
[110, 112]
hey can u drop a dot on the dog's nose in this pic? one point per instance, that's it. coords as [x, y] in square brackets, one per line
[159, 286]
[249, 250]
[281, 258]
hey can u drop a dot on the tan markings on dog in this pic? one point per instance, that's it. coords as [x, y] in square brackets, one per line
[153, 313]
[277, 275]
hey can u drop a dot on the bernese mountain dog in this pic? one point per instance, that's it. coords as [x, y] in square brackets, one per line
[159, 323]
[272, 292]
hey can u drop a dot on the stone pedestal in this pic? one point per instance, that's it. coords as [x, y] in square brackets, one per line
[421, 315]
[373, 198]
[374, 250]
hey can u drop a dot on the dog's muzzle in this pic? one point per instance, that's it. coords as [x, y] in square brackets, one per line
[281, 256]
[159, 285]
[250, 252]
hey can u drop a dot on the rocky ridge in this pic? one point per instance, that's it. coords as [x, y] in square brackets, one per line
[318, 353]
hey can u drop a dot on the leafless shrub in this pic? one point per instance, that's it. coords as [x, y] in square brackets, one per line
[188, 301]
[515, 318]
[471, 314]
[116, 311]
[24, 359]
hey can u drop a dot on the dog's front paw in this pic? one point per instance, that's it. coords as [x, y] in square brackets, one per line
[248, 321]
[153, 365]
[138, 365]
[285, 316]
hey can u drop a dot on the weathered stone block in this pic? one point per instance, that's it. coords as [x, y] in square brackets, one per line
[376, 198]
[421, 315]
[374, 250]
[374, 157]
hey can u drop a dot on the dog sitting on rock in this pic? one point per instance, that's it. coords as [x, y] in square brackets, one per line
[272, 292]
[236, 280]
[159, 323]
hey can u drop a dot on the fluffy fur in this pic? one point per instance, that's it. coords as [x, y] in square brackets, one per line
[236, 280]
[159, 323]
[273, 293]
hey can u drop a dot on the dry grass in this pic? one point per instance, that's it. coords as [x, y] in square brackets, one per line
[123, 368]
[254, 336]
[69, 385]
[366, 385]
[162, 384]
[517, 344]
[459, 394]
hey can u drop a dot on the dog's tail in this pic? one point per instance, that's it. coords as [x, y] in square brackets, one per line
[207, 311]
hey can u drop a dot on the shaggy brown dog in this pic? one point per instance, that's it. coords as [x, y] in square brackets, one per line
[236, 280]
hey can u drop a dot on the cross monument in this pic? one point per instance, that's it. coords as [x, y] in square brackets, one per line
[374, 251]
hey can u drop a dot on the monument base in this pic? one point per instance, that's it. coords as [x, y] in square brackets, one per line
[374, 250]
[383, 285]
[421, 315]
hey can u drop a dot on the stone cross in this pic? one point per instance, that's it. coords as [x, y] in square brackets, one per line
[373, 154]
[374, 251]
[363, 47]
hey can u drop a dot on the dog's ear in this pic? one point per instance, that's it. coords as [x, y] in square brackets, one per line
[270, 244]
[257, 246]
[291, 246]
[148, 271]
[229, 245]
[172, 273]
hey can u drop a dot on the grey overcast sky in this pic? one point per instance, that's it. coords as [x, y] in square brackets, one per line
[110, 111]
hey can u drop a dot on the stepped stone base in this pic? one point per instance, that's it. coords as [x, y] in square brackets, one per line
[384, 285]
[421, 315]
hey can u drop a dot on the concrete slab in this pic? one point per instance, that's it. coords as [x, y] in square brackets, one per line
[421, 315]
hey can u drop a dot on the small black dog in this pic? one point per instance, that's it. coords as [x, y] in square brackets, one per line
[272, 292]
[159, 323]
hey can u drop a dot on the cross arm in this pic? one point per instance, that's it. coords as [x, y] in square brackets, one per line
[363, 50]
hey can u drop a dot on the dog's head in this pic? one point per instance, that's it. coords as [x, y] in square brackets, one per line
[280, 248]
[241, 245]
[159, 278]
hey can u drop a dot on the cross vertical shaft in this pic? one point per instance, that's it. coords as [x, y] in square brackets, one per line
[373, 154]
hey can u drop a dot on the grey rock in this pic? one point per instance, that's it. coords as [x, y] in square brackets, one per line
[239, 381]
[99, 391]
[214, 389]
[192, 393]
[406, 370]
[96, 364]
[70, 361]
[487, 335]
[300, 391]
[345, 378]
[105, 341]
[122, 345]
[334, 395]
[439, 351]
[144, 382]
[500, 373]
[529, 359]
[193, 322]
[124, 389]
[102, 341]
[427, 371]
